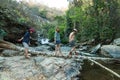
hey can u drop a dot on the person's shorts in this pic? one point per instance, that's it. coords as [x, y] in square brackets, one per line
[72, 43]
[58, 42]
[25, 45]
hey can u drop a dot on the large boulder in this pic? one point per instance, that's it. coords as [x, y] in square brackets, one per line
[111, 51]
[116, 42]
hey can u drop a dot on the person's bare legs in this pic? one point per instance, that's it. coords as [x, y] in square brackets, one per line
[59, 49]
[26, 53]
[56, 49]
[71, 51]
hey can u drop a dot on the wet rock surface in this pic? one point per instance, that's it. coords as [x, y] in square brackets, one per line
[111, 51]
[43, 66]
[116, 42]
[39, 67]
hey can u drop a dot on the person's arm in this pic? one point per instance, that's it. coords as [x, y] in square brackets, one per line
[55, 37]
[20, 39]
[70, 36]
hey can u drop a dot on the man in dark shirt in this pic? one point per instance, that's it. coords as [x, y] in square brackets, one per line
[26, 41]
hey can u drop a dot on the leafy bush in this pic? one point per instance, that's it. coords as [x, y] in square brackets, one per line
[51, 34]
[95, 19]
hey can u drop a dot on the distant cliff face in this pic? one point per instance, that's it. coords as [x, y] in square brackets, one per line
[16, 18]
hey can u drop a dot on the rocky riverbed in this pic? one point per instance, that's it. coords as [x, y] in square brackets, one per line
[17, 67]
[43, 66]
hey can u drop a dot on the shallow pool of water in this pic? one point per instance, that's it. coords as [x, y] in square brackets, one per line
[94, 72]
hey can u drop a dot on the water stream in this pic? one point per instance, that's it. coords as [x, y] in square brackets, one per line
[92, 71]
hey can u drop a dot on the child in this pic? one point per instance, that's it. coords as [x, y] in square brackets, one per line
[57, 41]
[26, 41]
[72, 41]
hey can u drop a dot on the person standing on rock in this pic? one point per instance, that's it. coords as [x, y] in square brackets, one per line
[57, 41]
[72, 41]
[26, 41]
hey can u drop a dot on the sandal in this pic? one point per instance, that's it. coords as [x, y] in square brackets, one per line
[28, 57]
[70, 54]
[76, 53]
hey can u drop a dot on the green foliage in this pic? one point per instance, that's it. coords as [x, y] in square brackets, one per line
[34, 10]
[49, 28]
[2, 23]
[2, 33]
[76, 14]
[60, 20]
[97, 19]
[43, 13]
[21, 20]
[106, 33]
[51, 33]
[62, 25]
[93, 18]
[62, 34]
[20, 13]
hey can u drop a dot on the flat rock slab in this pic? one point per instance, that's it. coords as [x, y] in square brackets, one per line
[39, 68]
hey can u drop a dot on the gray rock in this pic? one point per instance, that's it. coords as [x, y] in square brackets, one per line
[95, 49]
[47, 67]
[111, 50]
[20, 68]
[9, 53]
[116, 42]
[38, 60]
[2, 60]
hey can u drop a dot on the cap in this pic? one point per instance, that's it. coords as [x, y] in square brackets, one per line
[75, 30]
[32, 29]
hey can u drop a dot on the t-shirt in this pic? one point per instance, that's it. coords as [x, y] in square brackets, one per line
[57, 36]
[26, 37]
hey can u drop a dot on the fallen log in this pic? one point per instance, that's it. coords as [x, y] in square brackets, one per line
[11, 46]
[7, 45]
[94, 58]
